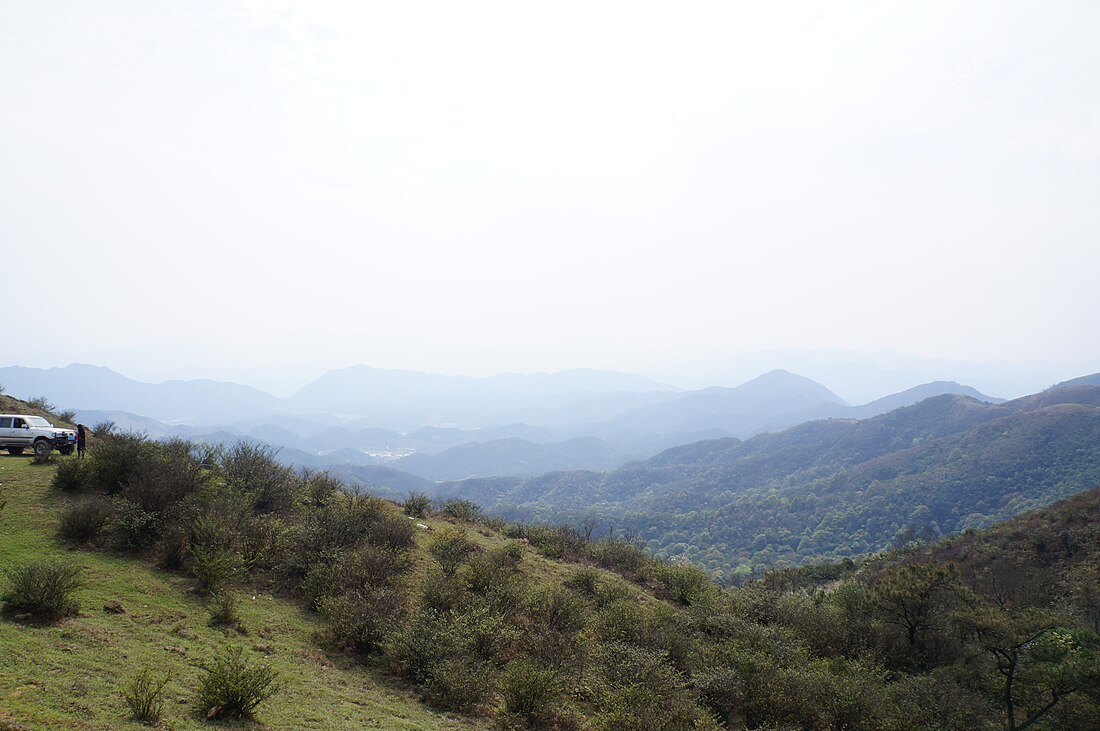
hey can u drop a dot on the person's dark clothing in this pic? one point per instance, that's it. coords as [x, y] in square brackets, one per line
[81, 439]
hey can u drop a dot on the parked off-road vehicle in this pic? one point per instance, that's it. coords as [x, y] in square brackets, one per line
[19, 431]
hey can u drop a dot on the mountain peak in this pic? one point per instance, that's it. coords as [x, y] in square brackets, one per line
[779, 380]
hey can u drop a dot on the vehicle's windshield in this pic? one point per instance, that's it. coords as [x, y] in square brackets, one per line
[38, 421]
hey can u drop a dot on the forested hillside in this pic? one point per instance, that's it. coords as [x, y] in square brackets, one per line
[829, 489]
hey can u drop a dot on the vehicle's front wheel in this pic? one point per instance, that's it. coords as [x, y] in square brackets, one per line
[42, 448]
[15, 450]
[65, 450]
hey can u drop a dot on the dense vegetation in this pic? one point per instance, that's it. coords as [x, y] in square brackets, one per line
[829, 489]
[605, 636]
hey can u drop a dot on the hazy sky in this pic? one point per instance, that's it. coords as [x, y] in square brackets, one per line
[477, 187]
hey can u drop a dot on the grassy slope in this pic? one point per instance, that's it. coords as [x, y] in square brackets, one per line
[70, 676]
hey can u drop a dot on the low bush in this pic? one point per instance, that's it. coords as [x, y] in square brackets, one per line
[233, 687]
[442, 592]
[461, 510]
[169, 475]
[41, 403]
[320, 487]
[119, 459]
[558, 541]
[72, 475]
[422, 644]
[585, 581]
[360, 620]
[214, 568]
[223, 610]
[364, 569]
[450, 547]
[619, 556]
[685, 584]
[46, 458]
[145, 697]
[173, 547]
[639, 688]
[557, 617]
[494, 575]
[373, 566]
[135, 528]
[530, 691]
[42, 589]
[459, 684]
[391, 530]
[84, 520]
[417, 505]
[253, 469]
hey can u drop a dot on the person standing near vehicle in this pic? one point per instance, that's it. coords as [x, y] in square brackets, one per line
[81, 439]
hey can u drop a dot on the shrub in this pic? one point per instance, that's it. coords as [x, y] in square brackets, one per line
[135, 528]
[173, 547]
[558, 541]
[68, 416]
[46, 458]
[394, 531]
[118, 459]
[169, 475]
[652, 627]
[422, 644]
[223, 610]
[488, 634]
[557, 616]
[450, 547]
[103, 428]
[43, 589]
[214, 568]
[72, 475]
[267, 543]
[369, 567]
[41, 403]
[724, 690]
[84, 520]
[372, 566]
[555, 610]
[417, 505]
[342, 522]
[459, 684]
[462, 510]
[442, 592]
[320, 487]
[494, 576]
[253, 468]
[686, 584]
[641, 689]
[619, 556]
[585, 581]
[530, 691]
[360, 620]
[232, 687]
[145, 695]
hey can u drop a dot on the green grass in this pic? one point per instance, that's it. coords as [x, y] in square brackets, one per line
[71, 675]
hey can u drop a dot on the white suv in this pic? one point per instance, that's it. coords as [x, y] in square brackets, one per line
[19, 431]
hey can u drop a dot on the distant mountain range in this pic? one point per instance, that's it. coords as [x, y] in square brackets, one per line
[451, 427]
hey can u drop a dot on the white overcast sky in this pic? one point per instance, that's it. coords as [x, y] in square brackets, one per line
[468, 187]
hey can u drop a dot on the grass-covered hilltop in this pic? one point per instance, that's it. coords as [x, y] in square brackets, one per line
[192, 588]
